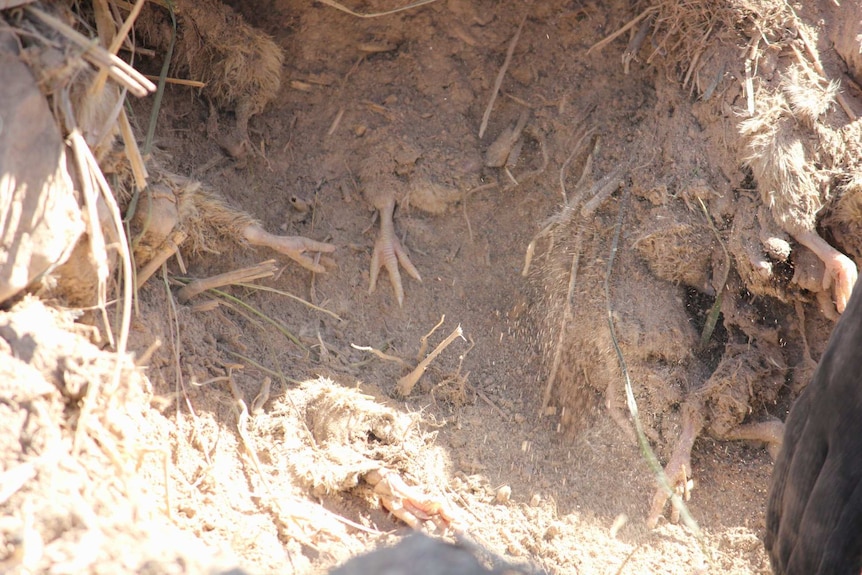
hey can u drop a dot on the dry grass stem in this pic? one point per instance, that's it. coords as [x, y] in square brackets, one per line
[634, 45]
[119, 70]
[118, 37]
[242, 307]
[565, 167]
[335, 122]
[95, 185]
[601, 191]
[749, 73]
[500, 75]
[467, 195]
[693, 65]
[712, 317]
[291, 296]
[345, 9]
[179, 81]
[143, 359]
[281, 376]
[262, 396]
[380, 354]
[631, 23]
[643, 442]
[98, 251]
[133, 152]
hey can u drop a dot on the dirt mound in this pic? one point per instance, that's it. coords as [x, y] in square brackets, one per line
[713, 236]
[77, 428]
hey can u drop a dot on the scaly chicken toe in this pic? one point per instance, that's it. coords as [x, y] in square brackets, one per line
[293, 247]
[388, 252]
[841, 272]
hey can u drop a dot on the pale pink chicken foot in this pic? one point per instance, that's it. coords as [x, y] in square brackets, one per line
[293, 247]
[840, 273]
[388, 252]
[769, 432]
[678, 470]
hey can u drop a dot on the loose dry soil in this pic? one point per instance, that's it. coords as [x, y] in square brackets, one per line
[393, 105]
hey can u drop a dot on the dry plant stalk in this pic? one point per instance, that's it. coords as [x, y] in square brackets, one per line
[262, 270]
[117, 69]
[423, 342]
[170, 246]
[602, 190]
[405, 384]
[569, 209]
[92, 179]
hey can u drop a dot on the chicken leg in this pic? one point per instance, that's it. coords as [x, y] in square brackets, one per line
[388, 251]
[840, 273]
[293, 247]
[678, 470]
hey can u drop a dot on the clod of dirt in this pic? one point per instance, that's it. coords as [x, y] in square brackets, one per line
[749, 376]
[44, 220]
[75, 426]
[676, 250]
[654, 333]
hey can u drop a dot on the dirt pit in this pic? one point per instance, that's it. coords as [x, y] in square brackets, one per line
[271, 424]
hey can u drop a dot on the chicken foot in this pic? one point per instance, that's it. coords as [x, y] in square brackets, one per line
[841, 273]
[293, 247]
[388, 252]
[678, 470]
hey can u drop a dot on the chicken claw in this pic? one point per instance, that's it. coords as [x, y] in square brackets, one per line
[388, 252]
[678, 469]
[292, 246]
[407, 503]
[841, 273]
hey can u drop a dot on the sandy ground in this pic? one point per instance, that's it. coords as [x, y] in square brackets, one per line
[393, 106]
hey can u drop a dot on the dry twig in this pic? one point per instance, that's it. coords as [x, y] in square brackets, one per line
[262, 270]
[405, 384]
